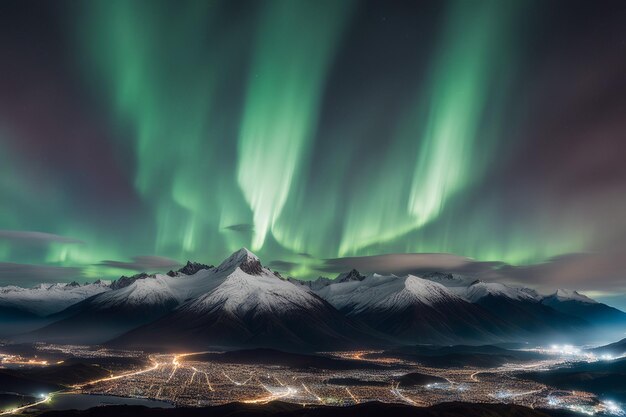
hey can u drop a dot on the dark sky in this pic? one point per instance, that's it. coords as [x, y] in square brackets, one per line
[483, 137]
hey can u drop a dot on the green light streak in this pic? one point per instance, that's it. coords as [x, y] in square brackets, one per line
[296, 42]
[472, 43]
[449, 155]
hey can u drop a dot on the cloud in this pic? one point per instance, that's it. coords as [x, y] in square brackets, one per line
[580, 271]
[283, 265]
[305, 255]
[143, 263]
[27, 274]
[584, 271]
[241, 227]
[408, 263]
[36, 237]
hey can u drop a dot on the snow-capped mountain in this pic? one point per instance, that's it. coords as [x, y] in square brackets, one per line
[381, 292]
[482, 310]
[563, 295]
[314, 285]
[239, 294]
[241, 303]
[413, 310]
[478, 290]
[45, 299]
[131, 302]
[520, 307]
[353, 275]
[25, 309]
[449, 280]
[579, 305]
[237, 303]
[190, 268]
[322, 282]
[247, 304]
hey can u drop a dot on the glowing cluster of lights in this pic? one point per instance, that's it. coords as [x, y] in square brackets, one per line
[578, 353]
[605, 407]
[19, 360]
[612, 408]
[568, 350]
[501, 395]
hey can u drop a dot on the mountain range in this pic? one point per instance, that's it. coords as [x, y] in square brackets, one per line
[241, 303]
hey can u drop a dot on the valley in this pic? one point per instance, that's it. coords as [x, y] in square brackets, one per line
[346, 378]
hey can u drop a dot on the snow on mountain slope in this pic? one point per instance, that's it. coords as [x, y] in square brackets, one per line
[243, 259]
[420, 310]
[522, 309]
[449, 280]
[45, 299]
[413, 310]
[241, 293]
[140, 300]
[609, 319]
[157, 290]
[570, 295]
[383, 292]
[235, 303]
[241, 303]
[315, 285]
[163, 289]
[353, 275]
[479, 289]
[248, 305]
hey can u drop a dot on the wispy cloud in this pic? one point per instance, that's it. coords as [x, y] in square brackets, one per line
[143, 263]
[36, 237]
[241, 227]
[585, 271]
[282, 265]
[582, 271]
[407, 263]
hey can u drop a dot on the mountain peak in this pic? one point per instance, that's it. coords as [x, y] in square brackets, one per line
[190, 268]
[243, 254]
[353, 275]
[125, 281]
[315, 285]
[450, 280]
[567, 295]
[247, 261]
[478, 290]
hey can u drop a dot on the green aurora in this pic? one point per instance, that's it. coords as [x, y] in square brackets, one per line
[219, 114]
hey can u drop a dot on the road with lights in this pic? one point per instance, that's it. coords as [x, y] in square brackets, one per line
[17, 410]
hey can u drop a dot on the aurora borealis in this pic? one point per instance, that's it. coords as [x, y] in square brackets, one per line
[139, 134]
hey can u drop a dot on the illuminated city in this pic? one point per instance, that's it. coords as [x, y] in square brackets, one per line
[181, 380]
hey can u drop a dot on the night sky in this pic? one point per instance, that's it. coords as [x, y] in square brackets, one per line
[479, 137]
